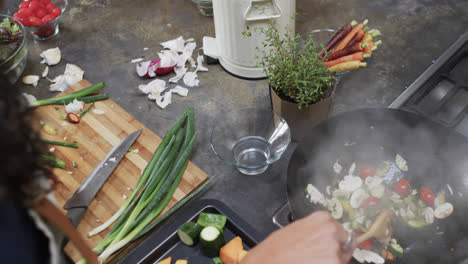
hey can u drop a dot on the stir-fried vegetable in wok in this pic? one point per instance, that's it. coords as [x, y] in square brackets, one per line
[364, 191]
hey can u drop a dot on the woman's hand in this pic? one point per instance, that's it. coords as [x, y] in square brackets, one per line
[317, 239]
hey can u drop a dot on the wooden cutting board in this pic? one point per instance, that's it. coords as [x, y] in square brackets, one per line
[95, 135]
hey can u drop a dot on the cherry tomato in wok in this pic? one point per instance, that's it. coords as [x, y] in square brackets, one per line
[370, 202]
[427, 196]
[402, 187]
[366, 171]
[366, 244]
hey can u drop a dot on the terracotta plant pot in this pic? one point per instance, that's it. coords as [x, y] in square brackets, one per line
[301, 121]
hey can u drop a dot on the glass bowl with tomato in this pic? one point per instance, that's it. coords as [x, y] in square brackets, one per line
[40, 17]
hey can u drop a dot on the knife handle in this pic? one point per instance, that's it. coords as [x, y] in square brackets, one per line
[76, 214]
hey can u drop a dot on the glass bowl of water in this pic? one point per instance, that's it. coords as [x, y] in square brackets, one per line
[250, 139]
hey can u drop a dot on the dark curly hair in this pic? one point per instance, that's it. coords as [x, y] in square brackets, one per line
[21, 170]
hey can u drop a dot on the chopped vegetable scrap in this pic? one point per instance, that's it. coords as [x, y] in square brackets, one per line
[53, 161]
[74, 107]
[49, 129]
[98, 111]
[357, 200]
[350, 46]
[178, 52]
[86, 110]
[63, 144]
[73, 118]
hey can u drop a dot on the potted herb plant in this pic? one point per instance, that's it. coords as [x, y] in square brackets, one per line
[301, 86]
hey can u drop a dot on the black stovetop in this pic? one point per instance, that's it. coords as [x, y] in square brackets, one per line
[441, 92]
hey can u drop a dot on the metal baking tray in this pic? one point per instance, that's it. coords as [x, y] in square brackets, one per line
[165, 242]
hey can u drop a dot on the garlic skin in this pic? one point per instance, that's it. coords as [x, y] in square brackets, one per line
[179, 90]
[98, 111]
[51, 56]
[73, 74]
[29, 98]
[45, 72]
[31, 79]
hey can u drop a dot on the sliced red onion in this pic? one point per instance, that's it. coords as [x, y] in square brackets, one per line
[142, 68]
[150, 69]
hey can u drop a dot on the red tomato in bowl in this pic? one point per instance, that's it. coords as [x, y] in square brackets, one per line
[25, 13]
[34, 21]
[47, 19]
[24, 4]
[56, 12]
[427, 196]
[23, 21]
[42, 12]
[50, 6]
[34, 6]
[366, 171]
[402, 187]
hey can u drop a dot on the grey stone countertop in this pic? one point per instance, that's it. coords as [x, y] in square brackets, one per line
[103, 36]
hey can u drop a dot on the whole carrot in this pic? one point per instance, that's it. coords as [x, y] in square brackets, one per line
[347, 66]
[357, 38]
[346, 51]
[350, 35]
[339, 35]
[360, 56]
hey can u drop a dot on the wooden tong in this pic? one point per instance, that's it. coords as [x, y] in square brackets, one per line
[378, 229]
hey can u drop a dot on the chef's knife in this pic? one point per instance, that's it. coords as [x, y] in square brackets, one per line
[79, 201]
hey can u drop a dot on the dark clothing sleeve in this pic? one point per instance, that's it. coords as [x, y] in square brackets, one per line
[20, 240]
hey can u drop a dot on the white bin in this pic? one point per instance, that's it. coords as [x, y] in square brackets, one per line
[235, 51]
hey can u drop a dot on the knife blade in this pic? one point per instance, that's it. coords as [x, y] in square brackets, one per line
[79, 201]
